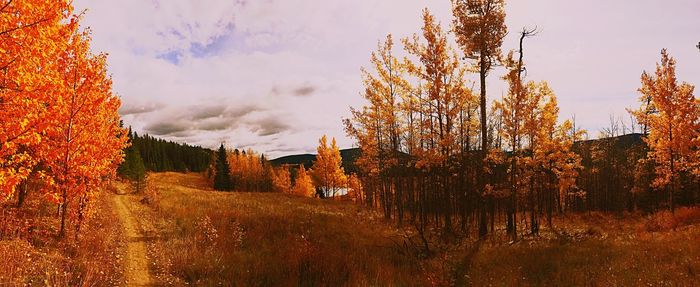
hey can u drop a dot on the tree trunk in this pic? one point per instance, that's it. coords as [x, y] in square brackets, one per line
[484, 145]
[22, 193]
[64, 209]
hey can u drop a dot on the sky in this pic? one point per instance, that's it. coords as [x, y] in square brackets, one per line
[275, 75]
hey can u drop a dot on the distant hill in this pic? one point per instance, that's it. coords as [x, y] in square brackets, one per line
[349, 156]
[623, 142]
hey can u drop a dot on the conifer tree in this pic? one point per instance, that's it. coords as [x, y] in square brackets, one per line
[222, 178]
[133, 168]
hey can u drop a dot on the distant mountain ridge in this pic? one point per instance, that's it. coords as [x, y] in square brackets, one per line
[349, 156]
[348, 159]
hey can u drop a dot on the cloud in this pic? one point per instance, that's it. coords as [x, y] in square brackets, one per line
[130, 109]
[304, 91]
[269, 126]
[205, 112]
[167, 128]
[216, 125]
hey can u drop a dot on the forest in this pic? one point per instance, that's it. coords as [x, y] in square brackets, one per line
[446, 184]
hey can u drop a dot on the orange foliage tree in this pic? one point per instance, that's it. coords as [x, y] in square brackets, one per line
[249, 171]
[303, 184]
[479, 26]
[355, 188]
[674, 127]
[32, 34]
[84, 141]
[281, 180]
[327, 171]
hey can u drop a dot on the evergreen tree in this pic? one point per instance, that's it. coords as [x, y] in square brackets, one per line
[136, 170]
[133, 168]
[222, 179]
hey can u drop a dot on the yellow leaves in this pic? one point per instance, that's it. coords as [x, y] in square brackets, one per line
[327, 171]
[670, 112]
[480, 27]
[303, 185]
[281, 180]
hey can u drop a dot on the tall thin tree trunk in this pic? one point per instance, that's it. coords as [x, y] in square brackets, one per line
[484, 146]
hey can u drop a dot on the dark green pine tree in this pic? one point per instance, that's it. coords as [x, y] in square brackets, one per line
[222, 178]
[133, 168]
[136, 170]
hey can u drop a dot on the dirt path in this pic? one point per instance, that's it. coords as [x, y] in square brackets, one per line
[136, 269]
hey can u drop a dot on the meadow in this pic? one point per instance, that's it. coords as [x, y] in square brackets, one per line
[202, 237]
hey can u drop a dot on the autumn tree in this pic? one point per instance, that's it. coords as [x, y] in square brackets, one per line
[222, 177]
[33, 34]
[250, 171]
[673, 127]
[445, 95]
[355, 188]
[281, 180]
[303, 184]
[479, 26]
[327, 172]
[513, 112]
[84, 140]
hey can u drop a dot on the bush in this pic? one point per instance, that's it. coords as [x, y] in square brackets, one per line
[665, 220]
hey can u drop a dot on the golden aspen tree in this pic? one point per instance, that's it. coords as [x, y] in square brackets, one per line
[513, 113]
[303, 184]
[32, 34]
[327, 172]
[355, 188]
[380, 123]
[673, 129]
[443, 81]
[249, 170]
[479, 26]
[84, 142]
[281, 180]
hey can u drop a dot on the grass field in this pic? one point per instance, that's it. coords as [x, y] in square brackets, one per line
[205, 237]
[180, 232]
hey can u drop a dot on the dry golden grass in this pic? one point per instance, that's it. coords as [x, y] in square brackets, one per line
[32, 255]
[204, 237]
[196, 236]
[267, 239]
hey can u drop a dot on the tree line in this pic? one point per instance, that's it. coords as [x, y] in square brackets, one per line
[147, 153]
[248, 171]
[435, 152]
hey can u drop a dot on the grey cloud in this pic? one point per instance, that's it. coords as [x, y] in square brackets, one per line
[202, 112]
[219, 125]
[269, 126]
[218, 118]
[163, 128]
[127, 109]
[242, 110]
[304, 91]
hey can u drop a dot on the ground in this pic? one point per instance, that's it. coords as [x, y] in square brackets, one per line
[180, 232]
[136, 264]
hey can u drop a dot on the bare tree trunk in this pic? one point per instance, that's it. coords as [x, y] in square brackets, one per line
[484, 146]
[64, 209]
